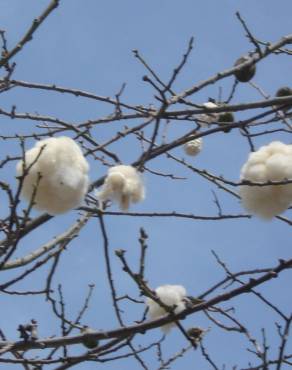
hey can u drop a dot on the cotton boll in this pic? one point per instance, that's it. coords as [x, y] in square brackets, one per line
[124, 185]
[256, 173]
[193, 147]
[276, 166]
[210, 104]
[277, 147]
[173, 296]
[205, 119]
[271, 162]
[264, 202]
[117, 181]
[59, 170]
[257, 157]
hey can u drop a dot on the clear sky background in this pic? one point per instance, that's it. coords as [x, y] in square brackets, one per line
[88, 45]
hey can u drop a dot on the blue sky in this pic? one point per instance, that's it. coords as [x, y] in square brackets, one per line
[88, 45]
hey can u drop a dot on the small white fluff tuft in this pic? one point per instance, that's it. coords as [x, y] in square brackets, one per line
[204, 120]
[271, 162]
[123, 184]
[193, 147]
[171, 295]
[57, 174]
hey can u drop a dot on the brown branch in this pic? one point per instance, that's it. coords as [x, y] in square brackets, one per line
[74, 92]
[29, 34]
[254, 59]
[165, 214]
[149, 325]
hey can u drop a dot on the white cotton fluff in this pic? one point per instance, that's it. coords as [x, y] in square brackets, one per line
[64, 175]
[205, 119]
[170, 295]
[123, 184]
[193, 147]
[271, 162]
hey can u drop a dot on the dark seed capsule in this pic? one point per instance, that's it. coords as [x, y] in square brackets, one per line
[284, 91]
[244, 74]
[226, 117]
[88, 341]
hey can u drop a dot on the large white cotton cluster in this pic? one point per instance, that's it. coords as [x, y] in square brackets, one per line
[173, 296]
[271, 162]
[59, 170]
[205, 119]
[193, 147]
[123, 184]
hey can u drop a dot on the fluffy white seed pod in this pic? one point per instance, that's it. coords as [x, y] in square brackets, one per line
[171, 295]
[59, 170]
[123, 184]
[193, 147]
[205, 119]
[271, 162]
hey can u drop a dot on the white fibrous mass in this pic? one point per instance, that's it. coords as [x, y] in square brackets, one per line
[124, 185]
[56, 175]
[205, 119]
[193, 147]
[271, 162]
[173, 296]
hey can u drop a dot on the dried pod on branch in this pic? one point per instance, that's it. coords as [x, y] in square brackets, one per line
[246, 73]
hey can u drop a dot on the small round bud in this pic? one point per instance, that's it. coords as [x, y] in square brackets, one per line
[244, 74]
